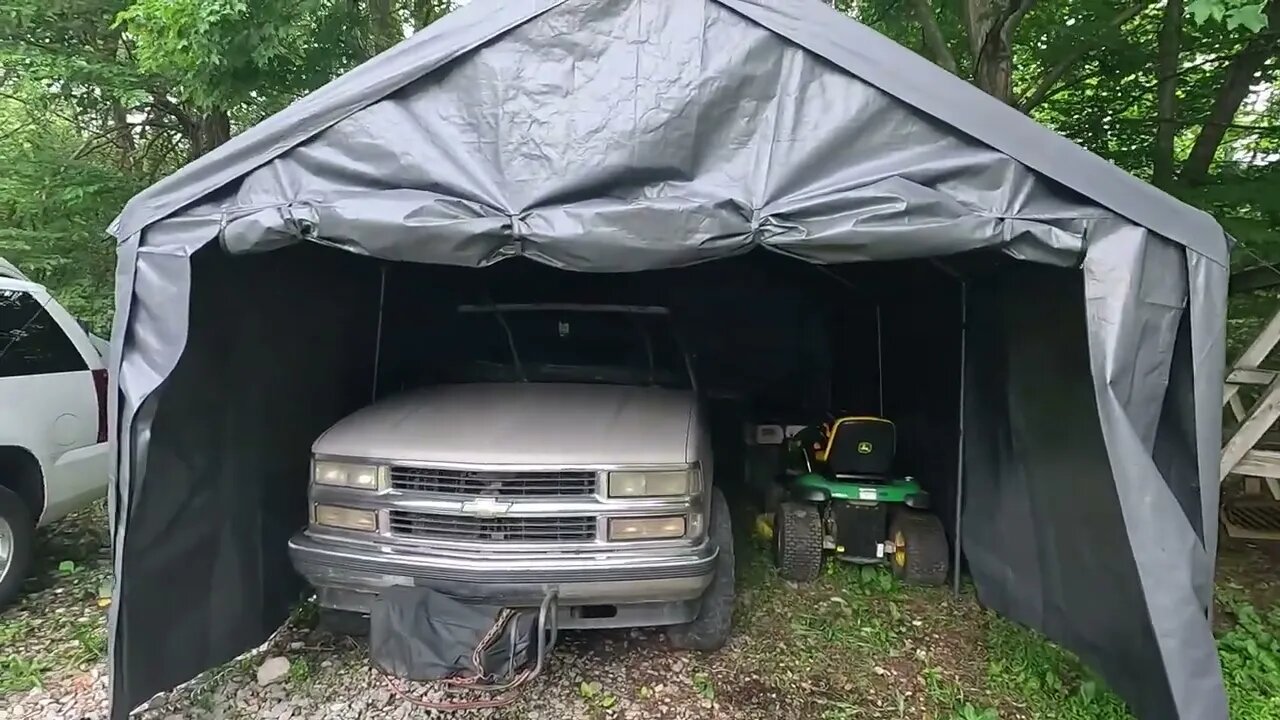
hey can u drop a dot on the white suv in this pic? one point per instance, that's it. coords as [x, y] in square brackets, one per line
[53, 419]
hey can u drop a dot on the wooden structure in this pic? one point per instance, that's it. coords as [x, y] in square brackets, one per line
[1250, 467]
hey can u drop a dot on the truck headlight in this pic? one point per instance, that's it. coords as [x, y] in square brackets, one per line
[346, 518]
[351, 475]
[661, 483]
[648, 528]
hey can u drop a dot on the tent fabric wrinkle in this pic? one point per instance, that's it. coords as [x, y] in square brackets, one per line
[641, 136]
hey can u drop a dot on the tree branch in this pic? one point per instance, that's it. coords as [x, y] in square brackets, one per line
[1054, 75]
[1167, 93]
[1198, 121]
[933, 38]
[1237, 81]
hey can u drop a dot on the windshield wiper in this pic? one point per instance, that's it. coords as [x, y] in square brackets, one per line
[511, 342]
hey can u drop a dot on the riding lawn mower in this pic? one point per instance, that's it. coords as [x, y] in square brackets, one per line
[840, 496]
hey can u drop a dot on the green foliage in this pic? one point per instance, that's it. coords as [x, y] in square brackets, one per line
[1047, 681]
[1236, 13]
[55, 204]
[224, 54]
[1250, 656]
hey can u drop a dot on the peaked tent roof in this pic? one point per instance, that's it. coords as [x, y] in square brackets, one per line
[814, 26]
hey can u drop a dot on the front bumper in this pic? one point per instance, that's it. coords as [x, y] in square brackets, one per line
[341, 569]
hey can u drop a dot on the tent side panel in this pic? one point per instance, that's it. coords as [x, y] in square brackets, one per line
[1136, 291]
[1207, 297]
[280, 346]
[1043, 531]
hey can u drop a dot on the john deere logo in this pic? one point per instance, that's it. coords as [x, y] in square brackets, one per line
[864, 448]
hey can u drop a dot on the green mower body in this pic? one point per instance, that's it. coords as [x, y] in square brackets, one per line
[816, 487]
[865, 518]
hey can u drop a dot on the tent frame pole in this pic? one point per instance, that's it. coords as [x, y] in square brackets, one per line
[964, 332]
[377, 343]
[879, 361]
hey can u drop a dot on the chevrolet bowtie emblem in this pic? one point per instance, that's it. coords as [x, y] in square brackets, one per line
[485, 507]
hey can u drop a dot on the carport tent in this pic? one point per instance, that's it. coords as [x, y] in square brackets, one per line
[622, 136]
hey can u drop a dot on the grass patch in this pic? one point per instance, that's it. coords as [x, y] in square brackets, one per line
[1250, 656]
[21, 673]
[1028, 672]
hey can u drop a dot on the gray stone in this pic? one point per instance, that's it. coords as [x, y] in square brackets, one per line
[272, 670]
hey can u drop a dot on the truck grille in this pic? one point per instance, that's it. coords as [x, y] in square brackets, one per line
[493, 483]
[431, 526]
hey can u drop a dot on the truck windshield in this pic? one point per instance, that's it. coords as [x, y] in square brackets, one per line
[624, 346]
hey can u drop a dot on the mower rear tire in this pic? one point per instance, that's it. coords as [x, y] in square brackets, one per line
[797, 530]
[921, 556]
[710, 629]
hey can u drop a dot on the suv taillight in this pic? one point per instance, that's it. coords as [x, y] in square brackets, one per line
[100, 386]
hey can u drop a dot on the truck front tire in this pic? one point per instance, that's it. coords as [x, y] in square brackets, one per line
[710, 630]
[17, 537]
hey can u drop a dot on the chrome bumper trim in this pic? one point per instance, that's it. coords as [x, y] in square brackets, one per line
[319, 560]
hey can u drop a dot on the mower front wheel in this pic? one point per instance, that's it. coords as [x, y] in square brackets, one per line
[921, 555]
[798, 535]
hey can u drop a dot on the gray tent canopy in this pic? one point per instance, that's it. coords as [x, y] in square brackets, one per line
[617, 136]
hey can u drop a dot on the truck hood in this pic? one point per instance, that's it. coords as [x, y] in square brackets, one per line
[521, 423]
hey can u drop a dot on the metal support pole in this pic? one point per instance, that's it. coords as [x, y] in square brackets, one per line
[964, 332]
[879, 361]
[377, 345]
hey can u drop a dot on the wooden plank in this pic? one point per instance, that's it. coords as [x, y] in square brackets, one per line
[1259, 463]
[1260, 277]
[1231, 393]
[1251, 376]
[1261, 346]
[1261, 418]
[1237, 407]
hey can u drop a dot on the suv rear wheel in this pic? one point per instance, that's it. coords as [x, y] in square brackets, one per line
[709, 631]
[17, 530]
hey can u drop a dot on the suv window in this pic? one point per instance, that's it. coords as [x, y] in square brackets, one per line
[31, 342]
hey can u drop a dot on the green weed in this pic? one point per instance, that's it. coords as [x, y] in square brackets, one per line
[1250, 656]
[91, 643]
[300, 673]
[970, 712]
[18, 673]
[596, 696]
[703, 685]
[1048, 682]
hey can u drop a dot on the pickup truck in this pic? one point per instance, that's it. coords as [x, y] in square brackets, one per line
[564, 450]
[53, 420]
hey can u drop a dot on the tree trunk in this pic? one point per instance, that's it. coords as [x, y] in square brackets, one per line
[208, 132]
[990, 25]
[932, 34]
[1167, 93]
[123, 139]
[1238, 80]
[426, 12]
[383, 26]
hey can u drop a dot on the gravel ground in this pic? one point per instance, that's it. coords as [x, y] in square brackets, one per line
[52, 664]
[853, 645]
